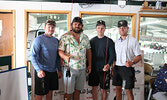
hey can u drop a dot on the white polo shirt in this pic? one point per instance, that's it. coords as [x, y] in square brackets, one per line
[126, 50]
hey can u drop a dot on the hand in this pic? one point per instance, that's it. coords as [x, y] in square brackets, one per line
[67, 58]
[128, 63]
[60, 75]
[41, 74]
[88, 69]
[106, 67]
[166, 80]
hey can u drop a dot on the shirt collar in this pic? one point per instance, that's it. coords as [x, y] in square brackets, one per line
[124, 39]
[81, 36]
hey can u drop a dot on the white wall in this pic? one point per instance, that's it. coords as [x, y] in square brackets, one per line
[20, 6]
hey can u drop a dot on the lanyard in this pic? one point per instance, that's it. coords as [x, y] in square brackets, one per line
[104, 79]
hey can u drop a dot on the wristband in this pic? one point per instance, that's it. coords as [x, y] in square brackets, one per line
[133, 62]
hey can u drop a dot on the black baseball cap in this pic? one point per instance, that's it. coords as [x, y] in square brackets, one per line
[123, 23]
[50, 22]
[77, 19]
[100, 22]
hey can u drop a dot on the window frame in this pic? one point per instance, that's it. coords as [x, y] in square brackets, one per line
[133, 15]
[147, 15]
[26, 28]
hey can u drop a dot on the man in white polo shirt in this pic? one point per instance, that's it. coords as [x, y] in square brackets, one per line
[128, 53]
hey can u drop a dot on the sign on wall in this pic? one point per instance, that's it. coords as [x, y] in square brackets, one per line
[13, 84]
[86, 93]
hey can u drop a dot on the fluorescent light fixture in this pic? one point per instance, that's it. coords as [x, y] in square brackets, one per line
[151, 22]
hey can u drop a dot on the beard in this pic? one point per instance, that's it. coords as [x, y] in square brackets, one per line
[77, 31]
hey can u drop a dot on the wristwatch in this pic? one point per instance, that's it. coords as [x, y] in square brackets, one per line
[133, 62]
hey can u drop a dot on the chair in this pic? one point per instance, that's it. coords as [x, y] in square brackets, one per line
[151, 87]
[148, 71]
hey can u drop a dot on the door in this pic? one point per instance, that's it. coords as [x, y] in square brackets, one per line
[7, 35]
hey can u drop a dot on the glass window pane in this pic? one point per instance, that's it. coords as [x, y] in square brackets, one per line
[37, 21]
[153, 39]
[111, 25]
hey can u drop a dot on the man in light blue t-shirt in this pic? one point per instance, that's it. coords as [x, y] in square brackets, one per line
[46, 62]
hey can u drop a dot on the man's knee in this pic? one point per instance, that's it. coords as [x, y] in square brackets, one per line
[50, 93]
[129, 93]
[77, 91]
[119, 89]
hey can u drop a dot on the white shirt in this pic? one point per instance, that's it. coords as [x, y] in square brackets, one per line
[126, 50]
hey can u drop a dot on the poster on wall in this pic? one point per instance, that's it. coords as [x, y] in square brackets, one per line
[13, 84]
[0, 27]
[86, 93]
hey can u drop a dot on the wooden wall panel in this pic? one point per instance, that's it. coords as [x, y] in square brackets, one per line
[6, 38]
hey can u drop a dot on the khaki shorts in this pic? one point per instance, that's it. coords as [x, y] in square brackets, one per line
[75, 82]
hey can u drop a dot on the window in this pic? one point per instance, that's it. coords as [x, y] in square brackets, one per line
[111, 20]
[153, 39]
[37, 21]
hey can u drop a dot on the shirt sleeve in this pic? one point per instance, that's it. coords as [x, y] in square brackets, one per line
[58, 62]
[35, 49]
[111, 52]
[88, 43]
[165, 73]
[62, 43]
[162, 74]
[160, 82]
[136, 49]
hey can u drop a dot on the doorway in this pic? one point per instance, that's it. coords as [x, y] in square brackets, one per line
[7, 34]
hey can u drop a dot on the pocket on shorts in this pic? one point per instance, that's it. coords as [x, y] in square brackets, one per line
[132, 74]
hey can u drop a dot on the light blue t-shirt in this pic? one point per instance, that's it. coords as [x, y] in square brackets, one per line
[44, 54]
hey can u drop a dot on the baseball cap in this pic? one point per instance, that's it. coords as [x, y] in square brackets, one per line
[50, 22]
[123, 23]
[100, 22]
[77, 19]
